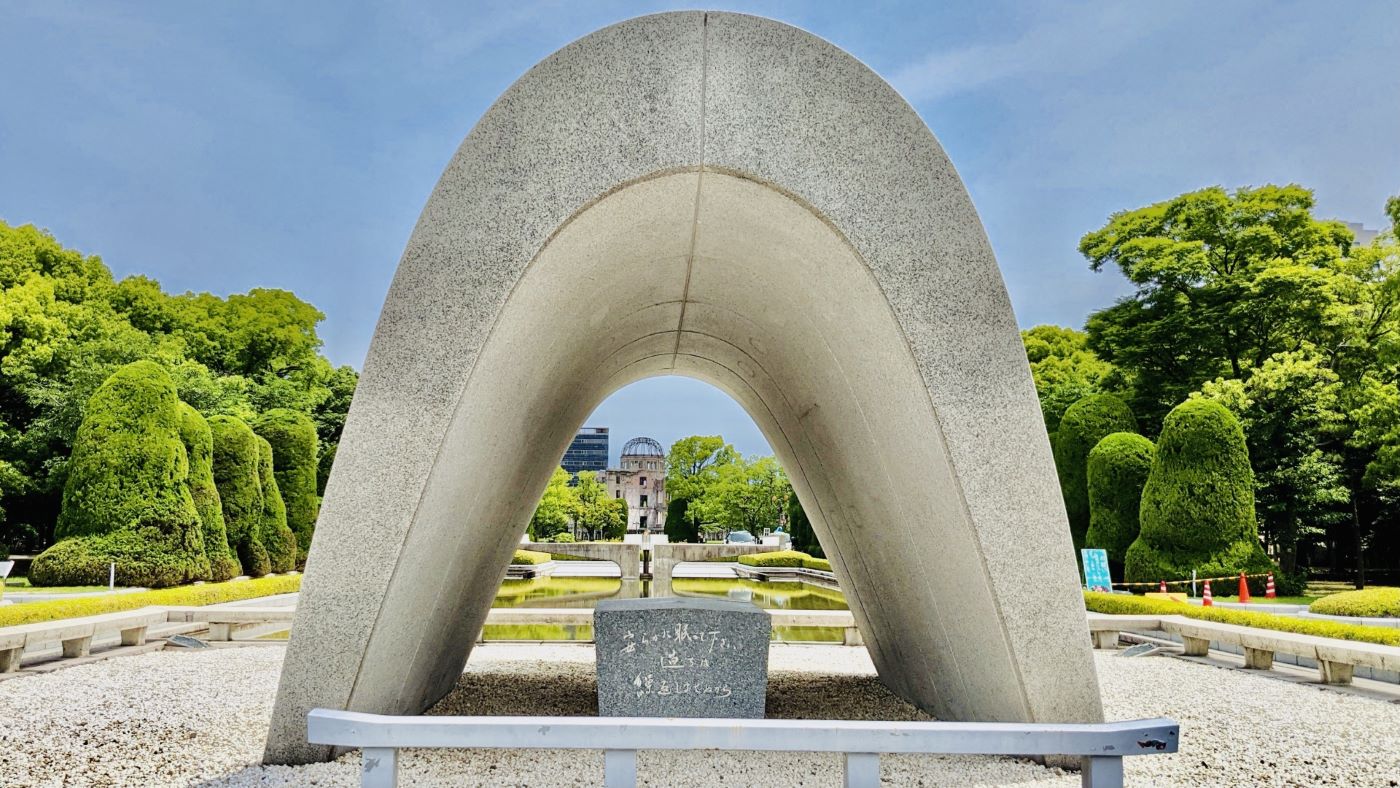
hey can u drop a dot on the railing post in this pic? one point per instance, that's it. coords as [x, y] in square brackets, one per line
[620, 768]
[1101, 772]
[379, 767]
[862, 770]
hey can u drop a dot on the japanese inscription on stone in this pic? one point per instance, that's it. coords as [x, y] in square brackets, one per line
[681, 657]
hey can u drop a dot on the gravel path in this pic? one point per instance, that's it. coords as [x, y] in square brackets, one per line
[198, 718]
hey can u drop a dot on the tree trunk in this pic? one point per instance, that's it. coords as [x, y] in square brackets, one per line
[1360, 546]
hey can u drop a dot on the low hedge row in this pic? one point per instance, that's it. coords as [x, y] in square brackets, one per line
[203, 594]
[530, 558]
[788, 558]
[783, 558]
[1369, 603]
[1123, 604]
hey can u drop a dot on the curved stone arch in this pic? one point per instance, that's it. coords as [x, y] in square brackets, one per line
[733, 199]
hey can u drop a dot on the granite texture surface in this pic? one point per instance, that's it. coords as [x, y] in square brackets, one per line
[733, 199]
[681, 658]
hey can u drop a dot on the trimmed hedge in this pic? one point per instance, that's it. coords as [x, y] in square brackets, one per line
[199, 448]
[205, 594]
[292, 436]
[1198, 504]
[276, 537]
[240, 490]
[126, 500]
[1368, 603]
[790, 558]
[530, 558]
[1124, 604]
[1084, 424]
[816, 563]
[1115, 474]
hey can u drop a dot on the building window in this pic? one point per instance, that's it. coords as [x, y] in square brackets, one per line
[644, 481]
[617, 493]
[643, 522]
[644, 502]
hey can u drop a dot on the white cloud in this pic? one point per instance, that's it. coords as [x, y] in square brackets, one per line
[1074, 40]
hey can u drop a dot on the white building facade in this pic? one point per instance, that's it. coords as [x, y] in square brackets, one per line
[642, 482]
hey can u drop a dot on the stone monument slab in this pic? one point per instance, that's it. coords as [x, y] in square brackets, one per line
[681, 657]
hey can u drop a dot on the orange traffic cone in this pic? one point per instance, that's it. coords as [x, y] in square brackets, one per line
[1269, 592]
[1161, 586]
[1244, 589]
[1205, 599]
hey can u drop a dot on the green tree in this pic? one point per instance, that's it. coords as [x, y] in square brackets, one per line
[804, 538]
[680, 526]
[1288, 409]
[1065, 370]
[330, 415]
[65, 326]
[693, 464]
[1116, 473]
[1198, 503]
[597, 514]
[1223, 281]
[239, 484]
[273, 531]
[1084, 424]
[748, 495]
[127, 497]
[292, 436]
[199, 448]
[558, 502]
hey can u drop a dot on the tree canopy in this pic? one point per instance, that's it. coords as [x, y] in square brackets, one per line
[1223, 281]
[66, 325]
[1247, 299]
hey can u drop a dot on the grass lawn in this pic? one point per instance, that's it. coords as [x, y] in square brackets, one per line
[20, 585]
[1260, 600]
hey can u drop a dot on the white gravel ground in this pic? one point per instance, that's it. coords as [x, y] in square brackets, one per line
[198, 718]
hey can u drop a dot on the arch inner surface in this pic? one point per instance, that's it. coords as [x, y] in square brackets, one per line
[729, 281]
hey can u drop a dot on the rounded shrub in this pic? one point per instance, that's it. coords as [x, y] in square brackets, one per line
[276, 537]
[199, 448]
[1084, 424]
[126, 500]
[530, 558]
[292, 436]
[776, 558]
[240, 490]
[1367, 603]
[1197, 507]
[1115, 474]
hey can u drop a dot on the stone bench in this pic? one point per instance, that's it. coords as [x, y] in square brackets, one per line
[224, 621]
[1104, 628]
[1336, 659]
[75, 635]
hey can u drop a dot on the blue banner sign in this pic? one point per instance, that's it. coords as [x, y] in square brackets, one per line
[1096, 577]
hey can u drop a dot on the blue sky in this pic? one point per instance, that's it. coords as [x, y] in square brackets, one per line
[225, 146]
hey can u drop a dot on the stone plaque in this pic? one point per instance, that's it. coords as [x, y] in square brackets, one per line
[681, 657]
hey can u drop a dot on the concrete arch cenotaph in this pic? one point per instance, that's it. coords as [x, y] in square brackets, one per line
[732, 199]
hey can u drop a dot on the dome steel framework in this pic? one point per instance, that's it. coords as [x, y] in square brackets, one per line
[642, 447]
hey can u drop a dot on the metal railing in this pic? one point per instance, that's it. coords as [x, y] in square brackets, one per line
[1101, 746]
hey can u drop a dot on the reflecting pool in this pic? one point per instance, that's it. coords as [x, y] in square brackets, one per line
[584, 592]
